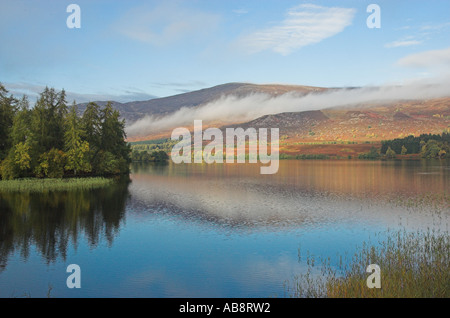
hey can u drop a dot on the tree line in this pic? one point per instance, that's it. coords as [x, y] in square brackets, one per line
[53, 140]
[145, 156]
[152, 150]
[428, 145]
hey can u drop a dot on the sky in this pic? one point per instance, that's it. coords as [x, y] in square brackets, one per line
[137, 50]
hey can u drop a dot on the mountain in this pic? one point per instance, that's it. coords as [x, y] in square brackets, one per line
[369, 122]
[324, 131]
[133, 111]
[350, 131]
[289, 123]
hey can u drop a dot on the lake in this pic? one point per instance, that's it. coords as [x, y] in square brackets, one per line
[220, 230]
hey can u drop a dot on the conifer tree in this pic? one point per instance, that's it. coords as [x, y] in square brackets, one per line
[7, 111]
[77, 150]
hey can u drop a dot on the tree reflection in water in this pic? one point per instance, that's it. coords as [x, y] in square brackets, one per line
[52, 220]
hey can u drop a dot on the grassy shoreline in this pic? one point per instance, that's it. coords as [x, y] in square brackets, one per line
[413, 264]
[50, 184]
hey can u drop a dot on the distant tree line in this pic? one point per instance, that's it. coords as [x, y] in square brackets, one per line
[155, 150]
[373, 154]
[52, 140]
[162, 144]
[145, 156]
[428, 145]
[303, 156]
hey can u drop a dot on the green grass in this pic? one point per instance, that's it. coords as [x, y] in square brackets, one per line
[413, 265]
[150, 142]
[40, 185]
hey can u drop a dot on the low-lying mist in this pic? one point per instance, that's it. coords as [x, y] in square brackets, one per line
[232, 109]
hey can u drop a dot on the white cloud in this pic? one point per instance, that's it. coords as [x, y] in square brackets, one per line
[240, 11]
[165, 24]
[402, 43]
[434, 27]
[121, 96]
[427, 59]
[304, 25]
[423, 34]
[232, 109]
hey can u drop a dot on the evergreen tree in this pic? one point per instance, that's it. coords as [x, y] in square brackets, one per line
[7, 111]
[20, 131]
[50, 140]
[48, 120]
[91, 125]
[113, 138]
[76, 149]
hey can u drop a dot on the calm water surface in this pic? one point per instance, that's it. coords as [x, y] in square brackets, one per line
[210, 230]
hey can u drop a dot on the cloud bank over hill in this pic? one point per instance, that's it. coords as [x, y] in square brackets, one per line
[233, 109]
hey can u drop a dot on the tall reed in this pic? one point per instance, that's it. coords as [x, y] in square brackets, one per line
[413, 264]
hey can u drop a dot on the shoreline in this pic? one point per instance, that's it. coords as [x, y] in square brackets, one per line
[54, 184]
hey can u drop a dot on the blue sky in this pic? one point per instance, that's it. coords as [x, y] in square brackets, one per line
[133, 50]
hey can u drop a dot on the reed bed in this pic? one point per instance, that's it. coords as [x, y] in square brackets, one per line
[41, 185]
[413, 265]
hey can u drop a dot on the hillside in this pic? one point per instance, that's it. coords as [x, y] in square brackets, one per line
[347, 131]
[341, 131]
[133, 111]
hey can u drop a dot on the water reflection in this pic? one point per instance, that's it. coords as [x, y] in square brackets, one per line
[302, 193]
[210, 230]
[368, 179]
[51, 220]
